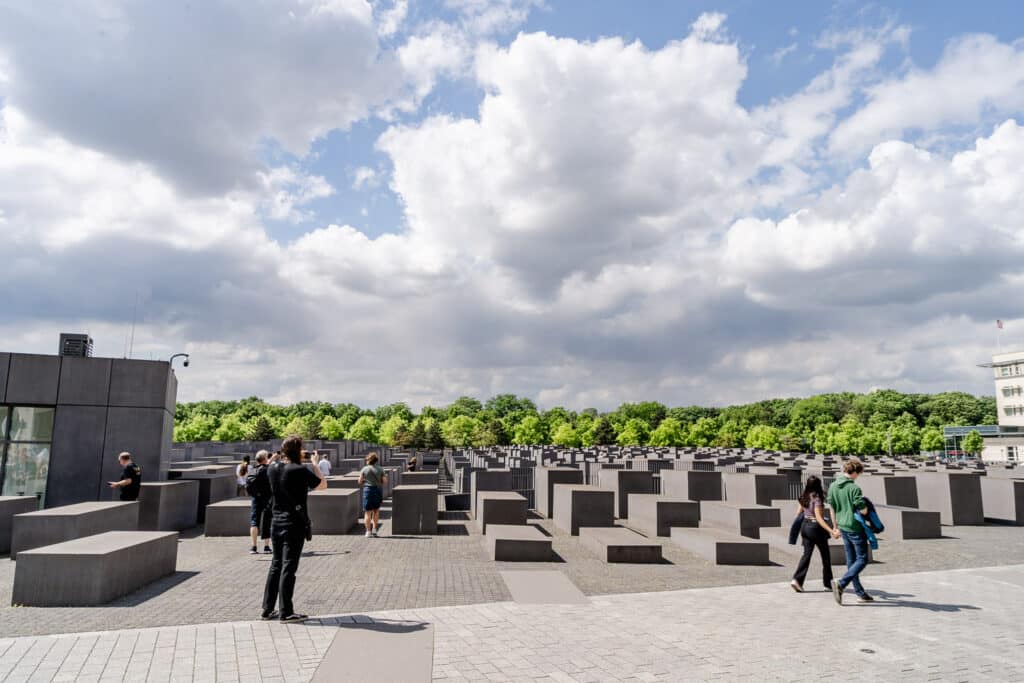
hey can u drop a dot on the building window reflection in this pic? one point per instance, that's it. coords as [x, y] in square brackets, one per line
[25, 437]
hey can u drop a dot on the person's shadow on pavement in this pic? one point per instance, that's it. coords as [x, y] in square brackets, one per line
[886, 599]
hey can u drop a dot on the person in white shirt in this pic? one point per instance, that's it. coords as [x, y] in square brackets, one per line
[240, 473]
[324, 465]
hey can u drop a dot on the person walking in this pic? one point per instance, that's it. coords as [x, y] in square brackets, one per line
[325, 465]
[240, 474]
[257, 485]
[372, 478]
[815, 532]
[290, 483]
[845, 498]
[130, 482]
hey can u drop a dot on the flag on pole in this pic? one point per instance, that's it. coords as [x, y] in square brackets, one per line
[999, 324]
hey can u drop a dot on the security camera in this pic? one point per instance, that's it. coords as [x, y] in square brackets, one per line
[185, 364]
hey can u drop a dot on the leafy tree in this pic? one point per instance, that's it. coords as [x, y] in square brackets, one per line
[199, 427]
[403, 438]
[486, 435]
[690, 414]
[390, 427]
[311, 427]
[503, 405]
[906, 435]
[973, 443]
[464, 405]
[651, 412]
[602, 433]
[259, 428]
[418, 435]
[668, 433]
[730, 435]
[459, 430]
[386, 412]
[764, 436]
[333, 429]
[435, 438]
[364, 429]
[557, 416]
[634, 432]
[932, 440]
[294, 426]
[530, 431]
[565, 435]
[703, 431]
[229, 429]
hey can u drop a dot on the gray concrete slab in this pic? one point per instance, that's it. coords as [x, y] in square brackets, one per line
[956, 496]
[691, 484]
[227, 518]
[379, 650]
[93, 570]
[721, 547]
[743, 519]
[759, 489]
[499, 507]
[488, 480]
[908, 523]
[517, 543]
[9, 507]
[168, 505]
[544, 480]
[543, 588]
[624, 482]
[76, 456]
[620, 545]
[56, 525]
[1003, 500]
[334, 511]
[33, 379]
[579, 505]
[84, 381]
[654, 515]
[413, 510]
[139, 383]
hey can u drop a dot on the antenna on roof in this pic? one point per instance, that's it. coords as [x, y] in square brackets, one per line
[135, 308]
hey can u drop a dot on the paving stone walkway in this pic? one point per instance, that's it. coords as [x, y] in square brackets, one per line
[957, 625]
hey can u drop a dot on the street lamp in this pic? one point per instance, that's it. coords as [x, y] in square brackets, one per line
[179, 355]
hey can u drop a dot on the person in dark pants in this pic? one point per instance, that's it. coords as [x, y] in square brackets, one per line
[845, 498]
[815, 532]
[258, 486]
[290, 482]
[131, 478]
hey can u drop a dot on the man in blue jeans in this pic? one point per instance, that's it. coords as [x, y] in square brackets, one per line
[845, 498]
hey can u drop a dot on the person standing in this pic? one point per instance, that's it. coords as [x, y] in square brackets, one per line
[131, 478]
[324, 465]
[290, 482]
[372, 478]
[258, 488]
[845, 498]
[815, 532]
[240, 474]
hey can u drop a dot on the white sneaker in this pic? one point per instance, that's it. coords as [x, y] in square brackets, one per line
[368, 534]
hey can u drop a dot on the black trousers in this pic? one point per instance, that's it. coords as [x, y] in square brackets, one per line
[287, 540]
[814, 537]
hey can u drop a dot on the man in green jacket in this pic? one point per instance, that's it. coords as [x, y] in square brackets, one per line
[845, 498]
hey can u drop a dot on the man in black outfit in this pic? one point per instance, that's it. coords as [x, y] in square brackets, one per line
[290, 482]
[131, 478]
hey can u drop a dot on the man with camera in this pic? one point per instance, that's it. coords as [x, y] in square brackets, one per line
[290, 482]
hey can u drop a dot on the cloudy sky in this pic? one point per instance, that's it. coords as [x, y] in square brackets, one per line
[581, 202]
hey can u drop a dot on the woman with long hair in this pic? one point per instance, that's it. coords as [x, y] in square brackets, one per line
[815, 532]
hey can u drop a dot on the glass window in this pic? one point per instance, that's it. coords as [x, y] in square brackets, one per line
[1007, 391]
[31, 424]
[1005, 371]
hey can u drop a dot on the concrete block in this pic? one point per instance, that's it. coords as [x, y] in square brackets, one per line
[487, 480]
[778, 541]
[456, 502]
[414, 509]
[214, 486]
[579, 505]
[56, 525]
[84, 381]
[334, 511]
[9, 507]
[624, 482]
[517, 543]
[691, 484]
[139, 383]
[1003, 500]
[654, 515]
[5, 364]
[956, 496]
[344, 481]
[907, 523]
[419, 478]
[616, 544]
[93, 570]
[754, 489]
[721, 547]
[499, 507]
[76, 456]
[745, 520]
[33, 379]
[227, 518]
[168, 505]
[544, 480]
[890, 490]
[140, 431]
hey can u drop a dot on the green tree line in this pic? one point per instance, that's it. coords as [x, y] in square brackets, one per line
[838, 423]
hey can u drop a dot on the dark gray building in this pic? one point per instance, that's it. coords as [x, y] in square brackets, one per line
[64, 419]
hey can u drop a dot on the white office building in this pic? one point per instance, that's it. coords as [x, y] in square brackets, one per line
[1008, 373]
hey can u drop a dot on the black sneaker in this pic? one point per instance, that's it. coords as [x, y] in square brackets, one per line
[266, 550]
[865, 598]
[270, 616]
[252, 551]
[294, 618]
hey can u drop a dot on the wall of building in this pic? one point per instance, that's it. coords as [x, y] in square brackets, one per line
[1008, 370]
[1003, 449]
[103, 406]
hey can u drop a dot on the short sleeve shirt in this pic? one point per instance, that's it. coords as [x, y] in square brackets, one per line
[133, 472]
[325, 467]
[815, 503]
[290, 484]
[373, 475]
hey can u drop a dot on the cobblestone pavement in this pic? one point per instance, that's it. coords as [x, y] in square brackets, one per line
[957, 625]
[217, 581]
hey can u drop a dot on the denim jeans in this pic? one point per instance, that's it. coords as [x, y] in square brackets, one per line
[856, 545]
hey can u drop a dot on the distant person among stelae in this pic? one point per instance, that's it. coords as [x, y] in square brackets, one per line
[131, 478]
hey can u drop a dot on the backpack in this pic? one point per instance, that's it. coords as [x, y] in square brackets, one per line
[257, 484]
